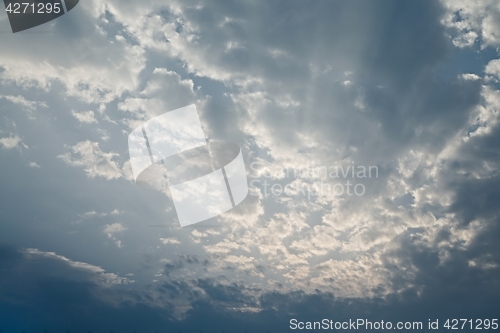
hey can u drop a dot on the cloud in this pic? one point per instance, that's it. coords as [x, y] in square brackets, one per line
[227, 305]
[295, 85]
[93, 160]
[114, 228]
[84, 74]
[11, 142]
[34, 165]
[165, 91]
[473, 22]
[493, 69]
[401, 121]
[97, 274]
[394, 113]
[167, 241]
[24, 103]
[86, 117]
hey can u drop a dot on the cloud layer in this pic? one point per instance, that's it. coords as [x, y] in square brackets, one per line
[410, 89]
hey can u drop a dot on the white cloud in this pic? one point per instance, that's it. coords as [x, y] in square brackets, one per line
[24, 103]
[89, 66]
[34, 165]
[493, 68]
[93, 213]
[111, 230]
[473, 21]
[171, 240]
[93, 160]
[97, 273]
[469, 76]
[165, 91]
[114, 228]
[11, 142]
[86, 117]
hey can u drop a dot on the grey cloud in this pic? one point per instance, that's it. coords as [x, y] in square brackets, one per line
[169, 267]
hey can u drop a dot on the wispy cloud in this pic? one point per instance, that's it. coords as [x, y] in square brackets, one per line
[93, 160]
[24, 103]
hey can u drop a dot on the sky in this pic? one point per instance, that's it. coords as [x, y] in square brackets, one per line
[313, 92]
